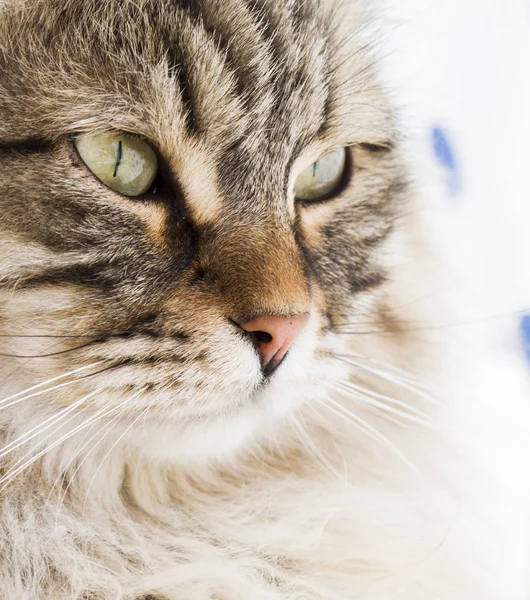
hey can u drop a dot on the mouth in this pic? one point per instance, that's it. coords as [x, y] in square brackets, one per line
[272, 366]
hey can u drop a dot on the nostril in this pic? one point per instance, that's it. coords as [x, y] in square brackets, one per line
[258, 337]
[272, 336]
[262, 337]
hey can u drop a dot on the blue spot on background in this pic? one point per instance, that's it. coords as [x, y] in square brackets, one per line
[525, 328]
[445, 155]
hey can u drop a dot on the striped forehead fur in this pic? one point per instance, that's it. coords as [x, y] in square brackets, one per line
[145, 452]
[222, 63]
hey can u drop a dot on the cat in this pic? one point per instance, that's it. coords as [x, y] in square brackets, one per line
[220, 378]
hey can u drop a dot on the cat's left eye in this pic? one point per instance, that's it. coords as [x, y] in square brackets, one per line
[323, 179]
[125, 163]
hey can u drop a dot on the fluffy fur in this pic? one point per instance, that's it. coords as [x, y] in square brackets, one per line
[143, 455]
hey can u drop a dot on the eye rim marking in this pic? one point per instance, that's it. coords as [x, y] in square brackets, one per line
[166, 196]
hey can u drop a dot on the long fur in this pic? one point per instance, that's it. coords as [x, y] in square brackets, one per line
[142, 456]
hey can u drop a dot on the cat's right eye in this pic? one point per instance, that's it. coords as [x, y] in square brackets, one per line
[323, 178]
[125, 163]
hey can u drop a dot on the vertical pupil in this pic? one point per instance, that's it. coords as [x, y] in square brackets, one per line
[118, 158]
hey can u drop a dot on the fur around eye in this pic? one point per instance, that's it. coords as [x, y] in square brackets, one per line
[123, 162]
[323, 179]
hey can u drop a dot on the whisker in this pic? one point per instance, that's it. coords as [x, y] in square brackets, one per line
[88, 336]
[313, 449]
[383, 397]
[11, 474]
[48, 355]
[374, 397]
[381, 406]
[398, 381]
[52, 380]
[404, 375]
[47, 336]
[21, 364]
[79, 448]
[419, 325]
[139, 416]
[313, 408]
[18, 400]
[13, 471]
[321, 418]
[106, 429]
[366, 405]
[366, 428]
[41, 427]
[40, 393]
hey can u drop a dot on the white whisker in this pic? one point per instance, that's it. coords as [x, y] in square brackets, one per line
[52, 380]
[127, 429]
[365, 427]
[103, 433]
[404, 374]
[102, 413]
[40, 428]
[11, 474]
[337, 448]
[367, 404]
[399, 381]
[79, 448]
[389, 405]
[365, 392]
[314, 450]
[40, 393]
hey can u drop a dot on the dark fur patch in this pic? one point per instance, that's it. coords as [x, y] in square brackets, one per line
[248, 87]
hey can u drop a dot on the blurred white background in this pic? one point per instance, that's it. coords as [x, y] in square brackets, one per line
[463, 66]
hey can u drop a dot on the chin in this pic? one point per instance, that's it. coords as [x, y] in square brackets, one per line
[220, 423]
[214, 440]
[227, 428]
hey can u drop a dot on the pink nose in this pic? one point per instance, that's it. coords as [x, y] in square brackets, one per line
[273, 336]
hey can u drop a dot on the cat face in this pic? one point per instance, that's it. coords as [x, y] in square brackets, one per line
[143, 299]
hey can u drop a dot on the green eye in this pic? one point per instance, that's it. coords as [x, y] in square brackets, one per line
[123, 162]
[322, 178]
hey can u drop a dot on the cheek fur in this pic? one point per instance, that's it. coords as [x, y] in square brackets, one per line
[148, 290]
[144, 453]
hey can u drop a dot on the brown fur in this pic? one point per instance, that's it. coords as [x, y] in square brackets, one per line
[136, 300]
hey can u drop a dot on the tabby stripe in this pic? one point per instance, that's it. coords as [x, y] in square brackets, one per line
[88, 275]
[186, 93]
[366, 282]
[30, 146]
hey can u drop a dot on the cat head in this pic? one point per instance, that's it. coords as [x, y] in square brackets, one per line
[195, 197]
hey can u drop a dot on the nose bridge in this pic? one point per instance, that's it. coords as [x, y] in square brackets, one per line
[261, 271]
